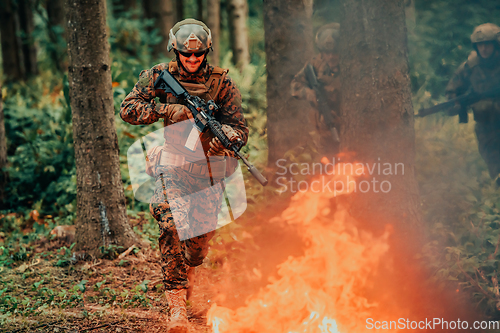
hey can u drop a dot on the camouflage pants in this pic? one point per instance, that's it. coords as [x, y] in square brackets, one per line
[186, 207]
[488, 137]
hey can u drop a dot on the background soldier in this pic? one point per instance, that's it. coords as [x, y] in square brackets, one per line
[179, 172]
[481, 72]
[326, 68]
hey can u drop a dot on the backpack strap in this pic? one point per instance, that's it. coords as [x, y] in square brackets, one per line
[214, 82]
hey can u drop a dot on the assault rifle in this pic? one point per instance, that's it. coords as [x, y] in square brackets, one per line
[463, 100]
[323, 107]
[203, 118]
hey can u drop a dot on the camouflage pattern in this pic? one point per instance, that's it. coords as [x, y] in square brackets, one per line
[175, 184]
[487, 32]
[143, 105]
[326, 67]
[478, 74]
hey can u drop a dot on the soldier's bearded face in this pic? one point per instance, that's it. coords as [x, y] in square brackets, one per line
[485, 49]
[191, 63]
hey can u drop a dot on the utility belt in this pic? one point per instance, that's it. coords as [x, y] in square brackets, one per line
[214, 167]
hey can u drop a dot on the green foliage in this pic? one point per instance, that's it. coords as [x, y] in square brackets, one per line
[459, 201]
[66, 256]
[440, 41]
[461, 206]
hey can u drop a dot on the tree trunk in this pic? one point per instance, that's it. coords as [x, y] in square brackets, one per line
[101, 210]
[28, 44]
[162, 12]
[179, 9]
[213, 22]
[377, 113]
[13, 66]
[57, 33]
[55, 13]
[238, 32]
[3, 153]
[199, 10]
[288, 39]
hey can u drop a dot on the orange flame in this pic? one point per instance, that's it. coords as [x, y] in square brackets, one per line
[323, 290]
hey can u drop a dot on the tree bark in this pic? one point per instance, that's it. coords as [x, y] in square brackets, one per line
[162, 13]
[377, 112]
[101, 209]
[288, 43]
[28, 44]
[213, 22]
[3, 153]
[238, 32]
[13, 66]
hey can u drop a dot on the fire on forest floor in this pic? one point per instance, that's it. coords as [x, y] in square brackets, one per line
[344, 277]
[300, 266]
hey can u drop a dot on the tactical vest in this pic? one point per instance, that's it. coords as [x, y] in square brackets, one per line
[482, 78]
[206, 91]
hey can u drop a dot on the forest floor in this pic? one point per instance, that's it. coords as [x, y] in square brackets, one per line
[127, 294]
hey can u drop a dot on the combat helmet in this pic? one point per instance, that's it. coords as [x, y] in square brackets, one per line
[327, 36]
[190, 35]
[487, 32]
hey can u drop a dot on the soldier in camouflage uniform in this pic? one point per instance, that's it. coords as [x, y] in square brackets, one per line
[326, 67]
[481, 72]
[178, 172]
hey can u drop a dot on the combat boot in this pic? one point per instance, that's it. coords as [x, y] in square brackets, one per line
[190, 274]
[178, 322]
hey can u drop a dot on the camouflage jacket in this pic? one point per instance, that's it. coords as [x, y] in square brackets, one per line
[477, 75]
[327, 71]
[143, 104]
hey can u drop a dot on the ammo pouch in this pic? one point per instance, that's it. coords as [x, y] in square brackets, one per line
[216, 167]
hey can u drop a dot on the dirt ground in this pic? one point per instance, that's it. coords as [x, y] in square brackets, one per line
[231, 273]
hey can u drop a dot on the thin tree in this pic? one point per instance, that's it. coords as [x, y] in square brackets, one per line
[13, 66]
[26, 22]
[101, 210]
[199, 10]
[55, 26]
[3, 152]
[378, 114]
[55, 13]
[213, 22]
[238, 31]
[179, 9]
[288, 43]
[162, 14]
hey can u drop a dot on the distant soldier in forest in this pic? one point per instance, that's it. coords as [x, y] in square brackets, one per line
[481, 73]
[179, 172]
[324, 67]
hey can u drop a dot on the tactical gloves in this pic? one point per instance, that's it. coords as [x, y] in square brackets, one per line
[175, 112]
[217, 148]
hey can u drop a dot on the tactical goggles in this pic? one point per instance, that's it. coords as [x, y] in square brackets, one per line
[188, 54]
